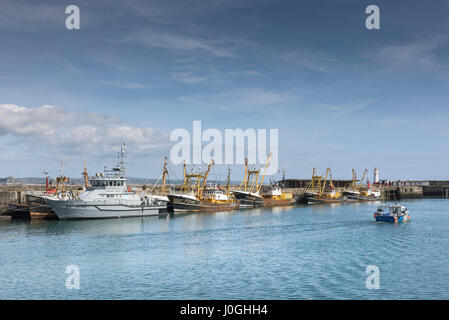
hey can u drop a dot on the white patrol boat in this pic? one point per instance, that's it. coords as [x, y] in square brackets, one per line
[107, 197]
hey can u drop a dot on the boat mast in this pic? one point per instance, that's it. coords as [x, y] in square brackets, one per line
[46, 180]
[200, 191]
[121, 160]
[183, 175]
[61, 180]
[245, 180]
[265, 171]
[313, 179]
[325, 179]
[61, 174]
[228, 183]
[354, 186]
[85, 175]
[164, 175]
[363, 178]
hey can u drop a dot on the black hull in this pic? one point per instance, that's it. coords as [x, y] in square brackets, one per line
[360, 197]
[182, 204]
[315, 198]
[364, 198]
[248, 200]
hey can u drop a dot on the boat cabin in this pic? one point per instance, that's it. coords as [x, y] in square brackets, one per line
[272, 191]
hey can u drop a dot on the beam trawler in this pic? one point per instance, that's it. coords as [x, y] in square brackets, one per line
[195, 197]
[252, 193]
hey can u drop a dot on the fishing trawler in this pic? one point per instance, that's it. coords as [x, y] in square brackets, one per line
[357, 192]
[249, 192]
[35, 205]
[318, 193]
[39, 208]
[370, 194]
[163, 195]
[395, 213]
[196, 198]
[352, 192]
[274, 196]
[108, 196]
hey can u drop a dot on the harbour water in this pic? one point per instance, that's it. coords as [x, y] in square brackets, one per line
[302, 252]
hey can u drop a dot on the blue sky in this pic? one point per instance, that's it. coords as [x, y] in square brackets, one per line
[341, 96]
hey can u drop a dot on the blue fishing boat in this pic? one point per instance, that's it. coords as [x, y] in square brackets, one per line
[395, 213]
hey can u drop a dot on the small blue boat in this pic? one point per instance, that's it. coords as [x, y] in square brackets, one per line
[395, 213]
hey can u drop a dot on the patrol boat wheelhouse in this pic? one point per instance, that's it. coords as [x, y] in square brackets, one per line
[107, 197]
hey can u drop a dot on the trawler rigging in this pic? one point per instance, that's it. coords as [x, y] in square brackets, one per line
[194, 196]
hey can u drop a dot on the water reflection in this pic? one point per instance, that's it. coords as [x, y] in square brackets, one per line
[265, 253]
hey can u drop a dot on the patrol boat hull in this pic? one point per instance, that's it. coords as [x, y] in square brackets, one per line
[75, 209]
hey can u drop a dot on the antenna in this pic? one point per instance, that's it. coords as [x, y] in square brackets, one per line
[46, 180]
[119, 169]
[122, 155]
[61, 169]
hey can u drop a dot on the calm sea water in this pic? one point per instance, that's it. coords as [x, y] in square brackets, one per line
[304, 252]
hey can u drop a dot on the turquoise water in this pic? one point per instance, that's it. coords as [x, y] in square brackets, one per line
[304, 252]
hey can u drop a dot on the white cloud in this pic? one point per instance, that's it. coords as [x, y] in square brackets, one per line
[343, 109]
[127, 85]
[14, 14]
[417, 54]
[153, 39]
[69, 132]
[315, 60]
[23, 121]
[248, 98]
[188, 77]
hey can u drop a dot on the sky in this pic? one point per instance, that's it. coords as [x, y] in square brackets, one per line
[341, 96]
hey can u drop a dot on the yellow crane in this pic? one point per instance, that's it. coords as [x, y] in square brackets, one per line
[363, 178]
[164, 175]
[325, 179]
[200, 192]
[228, 182]
[250, 182]
[188, 177]
[315, 182]
[354, 181]
[265, 171]
[61, 180]
[85, 175]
